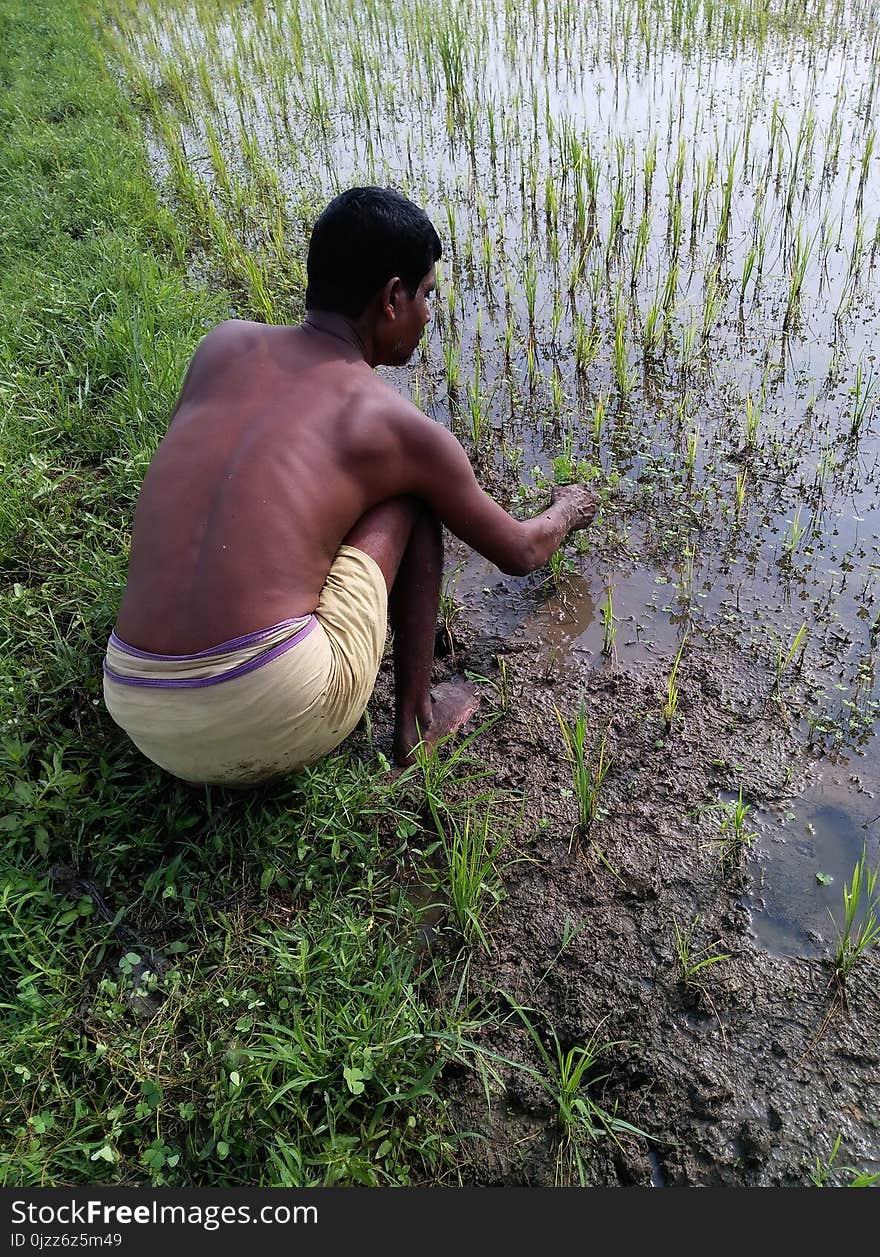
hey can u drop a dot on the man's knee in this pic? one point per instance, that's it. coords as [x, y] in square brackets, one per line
[383, 532]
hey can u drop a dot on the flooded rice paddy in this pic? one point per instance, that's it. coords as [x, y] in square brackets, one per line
[661, 225]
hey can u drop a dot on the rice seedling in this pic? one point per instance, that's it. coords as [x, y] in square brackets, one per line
[689, 345]
[450, 609]
[472, 842]
[609, 623]
[748, 269]
[800, 260]
[568, 1076]
[785, 658]
[721, 235]
[589, 765]
[693, 446]
[559, 565]
[654, 328]
[693, 963]
[821, 1171]
[753, 420]
[795, 535]
[670, 706]
[586, 344]
[733, 835]
[530, 285]
[478, 410]
[864, 395]
[500, 685]
[599, 418]
[544, 188]
[861, 918]
[624, 375]
[452, 365]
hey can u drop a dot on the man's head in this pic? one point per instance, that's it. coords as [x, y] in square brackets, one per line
[371, 256]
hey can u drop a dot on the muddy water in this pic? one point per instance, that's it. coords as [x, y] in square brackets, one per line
[493, 118]
[803, 851]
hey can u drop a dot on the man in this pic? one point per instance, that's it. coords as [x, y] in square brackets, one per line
[295, 500]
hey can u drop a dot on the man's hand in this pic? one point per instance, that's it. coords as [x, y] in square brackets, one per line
[578, 502]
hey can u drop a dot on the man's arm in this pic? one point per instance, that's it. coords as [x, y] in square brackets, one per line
[441, 475]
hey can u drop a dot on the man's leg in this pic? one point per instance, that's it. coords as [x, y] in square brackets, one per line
[406, 541]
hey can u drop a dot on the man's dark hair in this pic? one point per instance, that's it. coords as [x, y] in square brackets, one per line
[363, 238]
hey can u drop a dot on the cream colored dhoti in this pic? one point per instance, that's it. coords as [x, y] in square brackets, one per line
[263, 704]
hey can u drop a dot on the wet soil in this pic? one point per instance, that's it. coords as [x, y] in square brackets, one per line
[743, 1075]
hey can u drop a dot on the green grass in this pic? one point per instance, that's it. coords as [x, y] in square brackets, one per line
[290, 1038]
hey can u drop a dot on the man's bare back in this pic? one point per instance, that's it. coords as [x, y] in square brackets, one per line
[280, 442]
[282, 439]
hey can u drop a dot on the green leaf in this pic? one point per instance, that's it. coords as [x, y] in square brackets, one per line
[355, 1079]
[824, 879]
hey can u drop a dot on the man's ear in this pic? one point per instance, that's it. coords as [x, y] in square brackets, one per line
[391, 297]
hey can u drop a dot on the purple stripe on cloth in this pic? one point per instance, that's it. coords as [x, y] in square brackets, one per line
[186, 683]
[235, 643]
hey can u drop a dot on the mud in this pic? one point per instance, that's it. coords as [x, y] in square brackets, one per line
[743, 1076]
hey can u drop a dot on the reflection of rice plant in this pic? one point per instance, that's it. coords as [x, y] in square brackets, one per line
[589, 767]
[860, 899]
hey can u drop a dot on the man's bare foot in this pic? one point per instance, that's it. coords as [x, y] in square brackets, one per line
[452, 705]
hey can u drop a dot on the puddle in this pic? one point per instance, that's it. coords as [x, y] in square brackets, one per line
[803, 858]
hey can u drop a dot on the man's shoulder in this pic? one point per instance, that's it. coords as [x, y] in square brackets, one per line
[384, 402]
[233, 333]
[387, 410]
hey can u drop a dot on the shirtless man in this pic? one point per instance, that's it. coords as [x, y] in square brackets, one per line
[295, 499]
